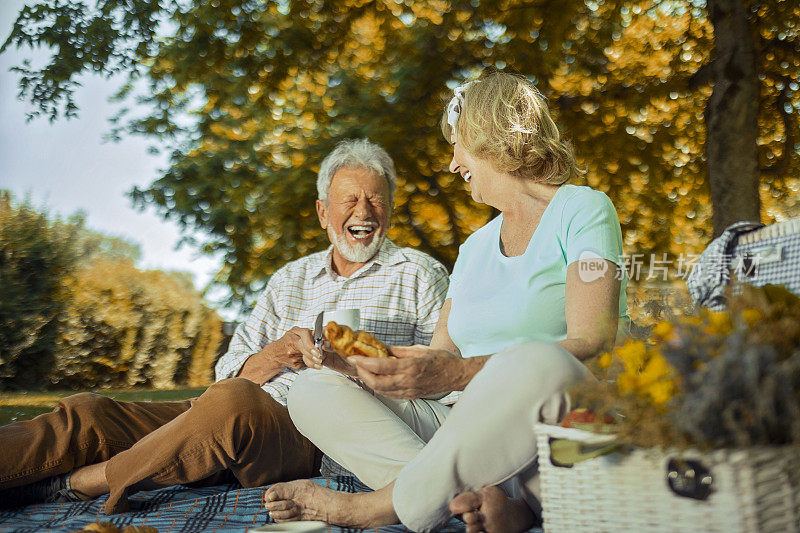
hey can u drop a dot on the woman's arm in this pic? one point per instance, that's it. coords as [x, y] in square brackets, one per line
[441, 337]
[591, 307]
[591, 311]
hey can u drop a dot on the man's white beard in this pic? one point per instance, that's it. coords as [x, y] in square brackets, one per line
[357, 253]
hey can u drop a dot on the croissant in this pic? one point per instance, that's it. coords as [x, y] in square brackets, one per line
[348, 342]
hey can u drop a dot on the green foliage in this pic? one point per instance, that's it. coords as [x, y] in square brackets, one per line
[34, 256]
[105, 39]
[92, 245]
[76, 313]
[251, 95]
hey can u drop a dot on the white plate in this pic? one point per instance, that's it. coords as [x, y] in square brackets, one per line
[303, 526]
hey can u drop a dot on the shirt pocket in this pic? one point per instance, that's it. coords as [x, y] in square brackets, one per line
[392, 326]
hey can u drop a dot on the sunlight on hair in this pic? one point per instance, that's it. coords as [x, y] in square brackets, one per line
[504, 118]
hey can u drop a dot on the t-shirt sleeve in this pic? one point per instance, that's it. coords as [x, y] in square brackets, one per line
[591, 228]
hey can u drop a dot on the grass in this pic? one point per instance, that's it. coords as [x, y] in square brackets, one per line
[15, 406]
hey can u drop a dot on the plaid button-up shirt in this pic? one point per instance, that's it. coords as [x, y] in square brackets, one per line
[399, 293]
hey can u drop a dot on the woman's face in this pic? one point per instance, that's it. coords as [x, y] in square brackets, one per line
[479, 173]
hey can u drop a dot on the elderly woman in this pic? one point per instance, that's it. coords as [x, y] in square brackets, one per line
[533, 293]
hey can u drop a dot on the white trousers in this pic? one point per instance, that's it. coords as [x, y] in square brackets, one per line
[372, 436]
[486, 439]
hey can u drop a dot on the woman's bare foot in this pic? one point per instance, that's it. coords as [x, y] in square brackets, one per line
[305, 500]
[490, 510]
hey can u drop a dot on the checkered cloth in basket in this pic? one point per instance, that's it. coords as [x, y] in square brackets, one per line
[750, 253]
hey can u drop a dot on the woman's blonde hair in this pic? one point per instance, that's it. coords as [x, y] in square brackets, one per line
[504, 119]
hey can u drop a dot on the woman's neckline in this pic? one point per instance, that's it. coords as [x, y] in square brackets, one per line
[545, 213]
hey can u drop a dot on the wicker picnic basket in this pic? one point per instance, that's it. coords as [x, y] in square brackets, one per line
[755, 489]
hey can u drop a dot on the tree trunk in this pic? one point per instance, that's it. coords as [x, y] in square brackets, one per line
[732, 117]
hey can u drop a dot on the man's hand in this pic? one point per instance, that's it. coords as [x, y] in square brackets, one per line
[418, 372]
[326, 356]
[296, 343]
[286, 352]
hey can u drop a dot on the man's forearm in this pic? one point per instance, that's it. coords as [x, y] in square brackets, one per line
[262, 366]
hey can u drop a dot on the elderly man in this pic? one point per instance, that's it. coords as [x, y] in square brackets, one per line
[240, 428]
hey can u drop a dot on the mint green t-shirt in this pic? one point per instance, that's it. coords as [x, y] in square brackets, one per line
[498, 301]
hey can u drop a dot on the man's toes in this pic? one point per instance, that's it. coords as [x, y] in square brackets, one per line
[465, 502]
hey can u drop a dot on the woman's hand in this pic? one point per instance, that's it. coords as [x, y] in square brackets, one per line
[418, 372]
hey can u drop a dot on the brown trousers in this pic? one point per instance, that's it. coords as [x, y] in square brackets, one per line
[233, 430]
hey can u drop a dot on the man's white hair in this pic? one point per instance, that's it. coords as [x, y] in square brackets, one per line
[356, 153]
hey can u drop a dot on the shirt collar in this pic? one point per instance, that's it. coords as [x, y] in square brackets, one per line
[389, 254]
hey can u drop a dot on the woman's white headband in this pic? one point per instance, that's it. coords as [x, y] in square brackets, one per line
[455, 105]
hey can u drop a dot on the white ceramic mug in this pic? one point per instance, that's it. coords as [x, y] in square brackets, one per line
[344, 317]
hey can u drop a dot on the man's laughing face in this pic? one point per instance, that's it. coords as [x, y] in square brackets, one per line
[356, 215]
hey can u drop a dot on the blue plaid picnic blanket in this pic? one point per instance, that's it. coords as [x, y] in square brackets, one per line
[178, 509]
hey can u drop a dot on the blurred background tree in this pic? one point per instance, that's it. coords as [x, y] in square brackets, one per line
[680, 111]
[126, 327]
[76, 313]
[34, 256]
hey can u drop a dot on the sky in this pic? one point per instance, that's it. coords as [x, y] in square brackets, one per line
[66, 166]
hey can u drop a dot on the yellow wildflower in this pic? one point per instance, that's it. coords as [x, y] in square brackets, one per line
[661, 391]
[719, 323]
[656, 369]
[752, 316]
[632, 354]
[626, 383]
[604, 361]
[663, 329]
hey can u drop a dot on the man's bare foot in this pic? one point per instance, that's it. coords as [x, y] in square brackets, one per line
[490, 510]
[305, 500]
